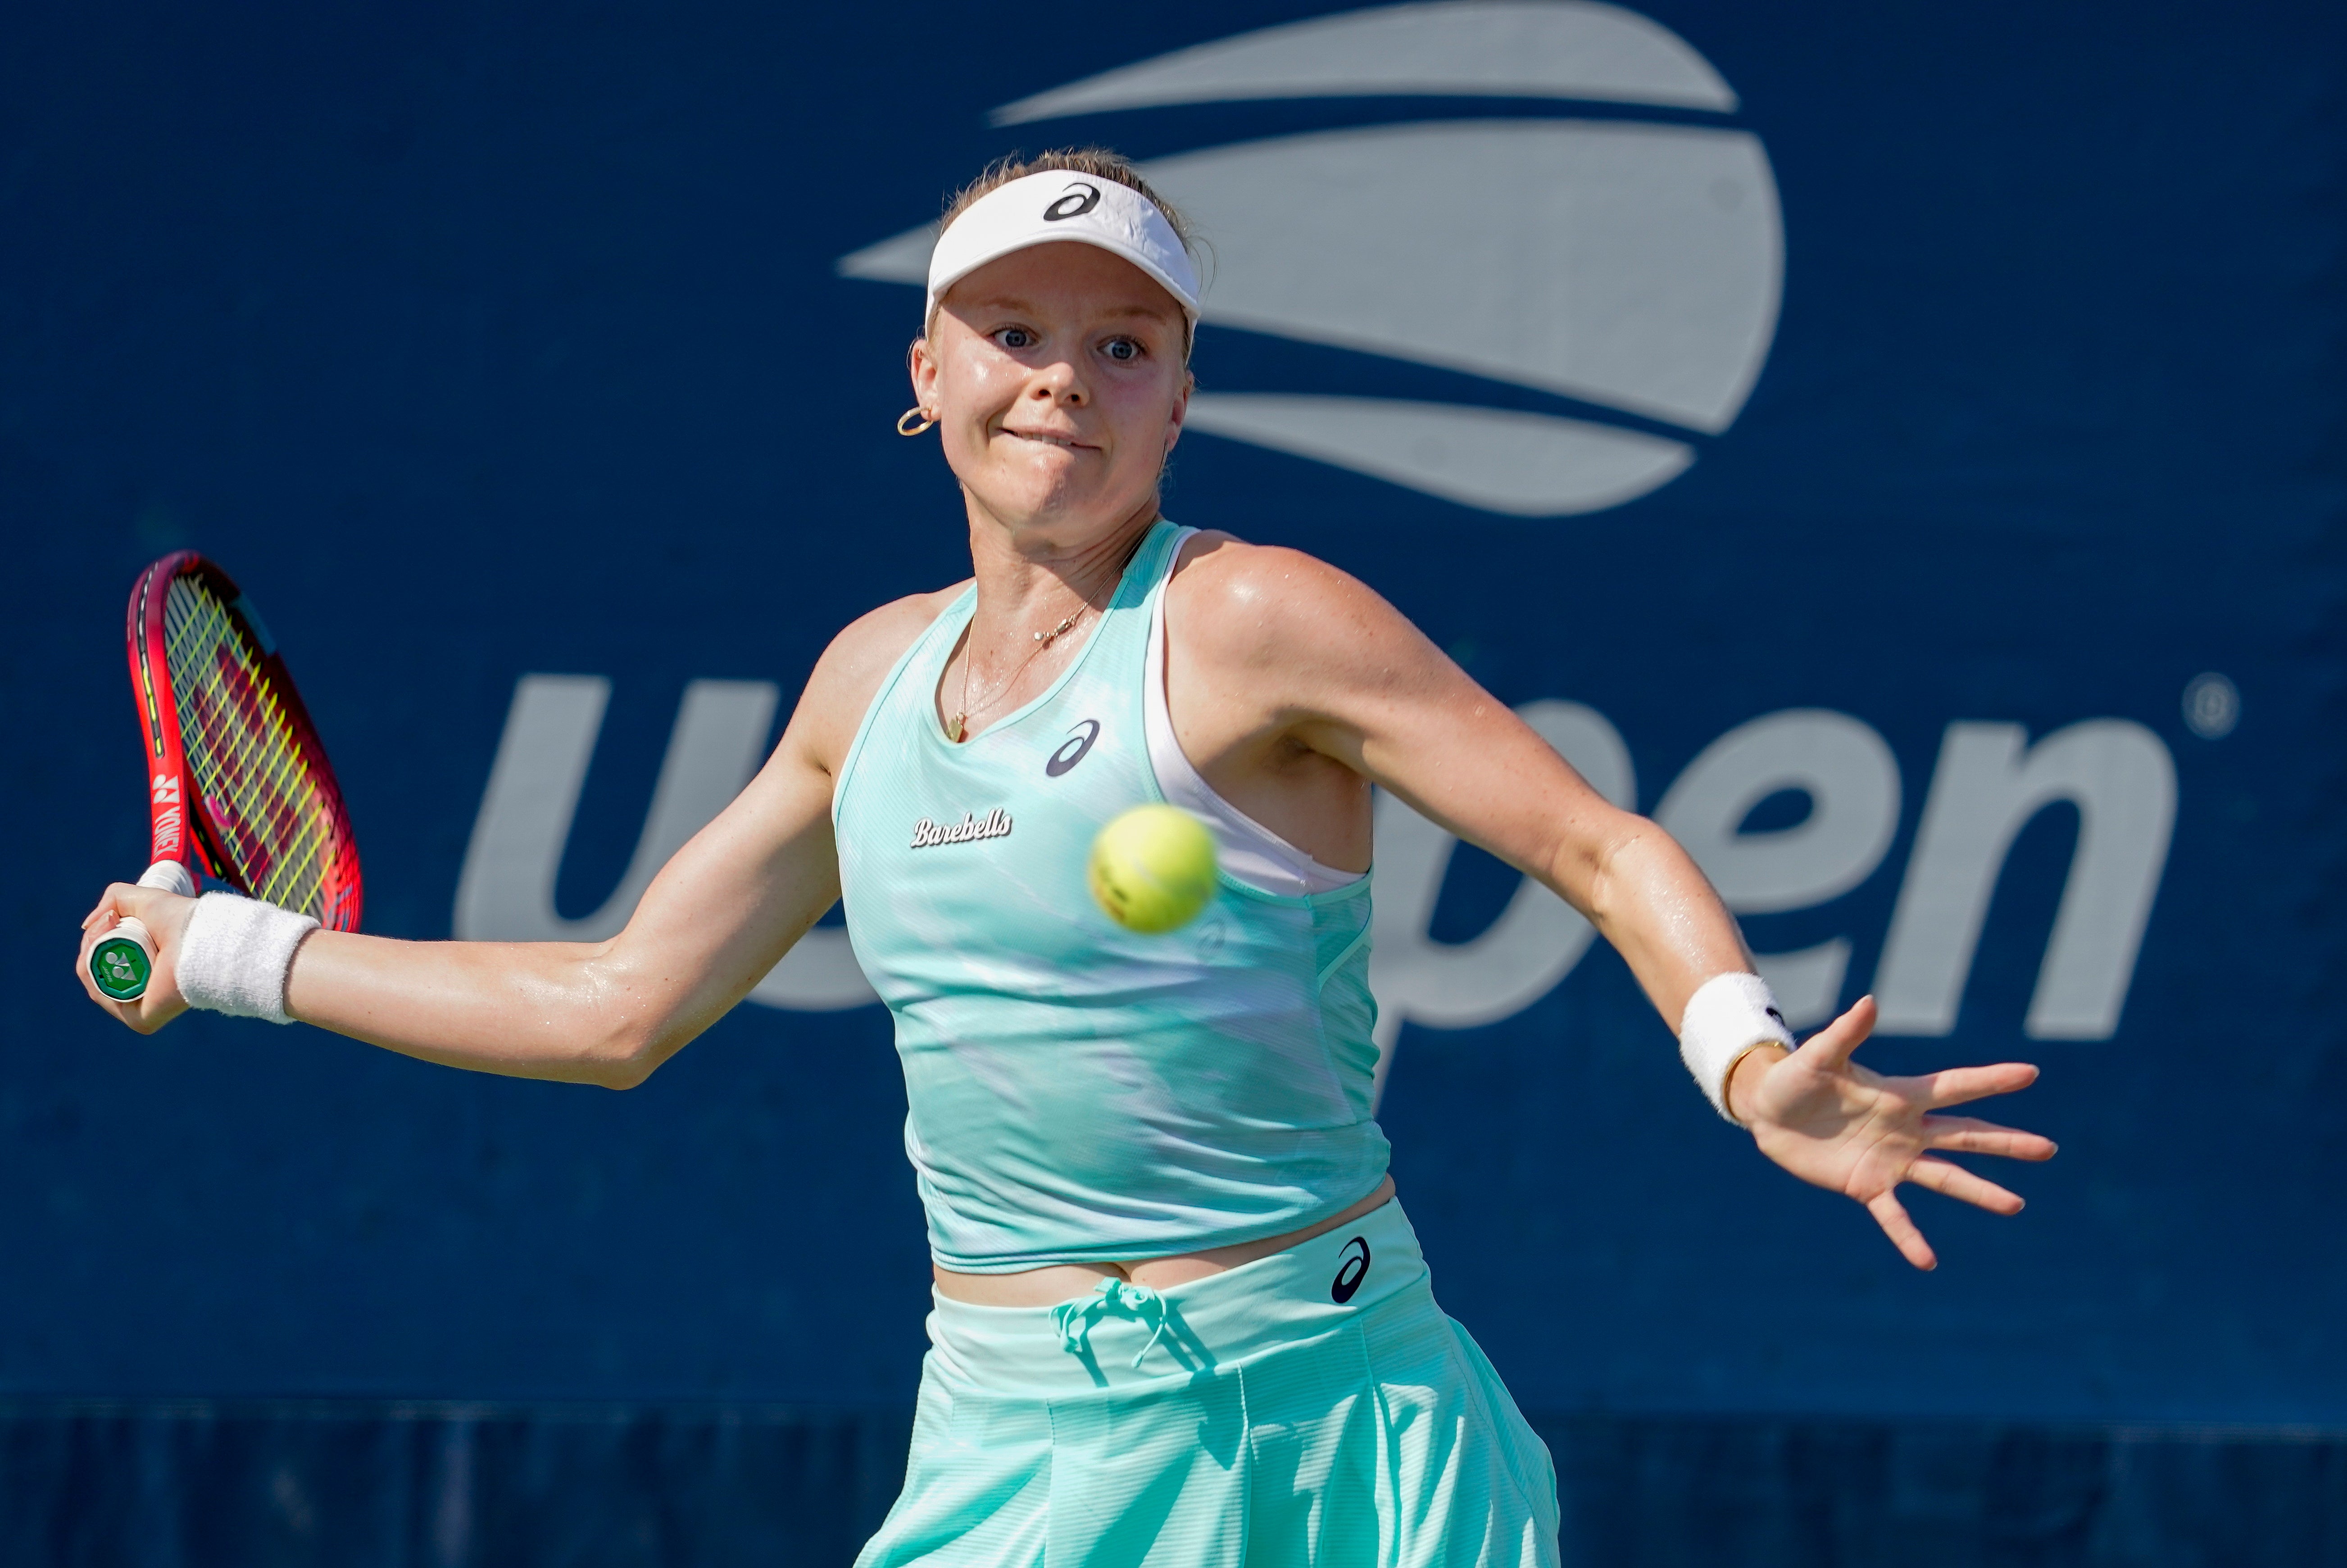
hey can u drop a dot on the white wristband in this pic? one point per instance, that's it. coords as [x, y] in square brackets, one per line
[235, 955]
[1727, 1017]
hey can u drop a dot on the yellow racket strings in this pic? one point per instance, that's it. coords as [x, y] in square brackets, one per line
[244, 754]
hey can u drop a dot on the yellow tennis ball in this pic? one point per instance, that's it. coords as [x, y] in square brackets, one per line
[1153, 869]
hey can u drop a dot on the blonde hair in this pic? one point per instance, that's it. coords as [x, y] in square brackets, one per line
[1097, 163]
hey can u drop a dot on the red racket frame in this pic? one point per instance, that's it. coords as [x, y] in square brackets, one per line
[181, 829]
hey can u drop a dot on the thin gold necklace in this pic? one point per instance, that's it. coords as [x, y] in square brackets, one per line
[958, 725]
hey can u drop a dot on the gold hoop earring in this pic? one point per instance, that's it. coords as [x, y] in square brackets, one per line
[923, 415]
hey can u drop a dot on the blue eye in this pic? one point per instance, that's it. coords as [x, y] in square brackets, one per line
[1016, 338]
[1124, 349]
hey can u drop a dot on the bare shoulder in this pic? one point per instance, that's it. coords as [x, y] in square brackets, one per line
[848, 675]
[1237, 602]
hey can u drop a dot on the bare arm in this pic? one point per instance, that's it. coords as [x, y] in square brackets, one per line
[1286, 661]
[1275, 652]
[721, 913]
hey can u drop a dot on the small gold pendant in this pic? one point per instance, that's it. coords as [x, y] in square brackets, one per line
[954, 727]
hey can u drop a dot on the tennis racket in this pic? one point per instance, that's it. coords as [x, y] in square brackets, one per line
[237, 781]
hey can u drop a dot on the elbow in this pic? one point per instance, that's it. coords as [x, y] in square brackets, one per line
[625, 1058]
[1610, 867]
[625, 1073]
[623, 1027]
[633, 1027]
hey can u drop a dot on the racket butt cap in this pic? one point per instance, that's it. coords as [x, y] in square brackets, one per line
[124, 960]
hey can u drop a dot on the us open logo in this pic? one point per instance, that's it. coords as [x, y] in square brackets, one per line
[1618, 276]
[1613, 278]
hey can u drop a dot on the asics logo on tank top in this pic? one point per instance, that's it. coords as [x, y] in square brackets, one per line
[1620, 274]
[1080, 199]
[1072, 750]
[995, 823]
[1350, 1271]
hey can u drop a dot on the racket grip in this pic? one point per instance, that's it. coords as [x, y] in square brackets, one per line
[124, 961]
[169, 876]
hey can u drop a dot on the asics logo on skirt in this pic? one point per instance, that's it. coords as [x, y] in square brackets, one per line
[1350, 1271]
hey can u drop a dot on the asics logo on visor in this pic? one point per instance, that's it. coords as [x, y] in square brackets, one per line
[1351, 1271]
[1071, 750]
[1080, 199]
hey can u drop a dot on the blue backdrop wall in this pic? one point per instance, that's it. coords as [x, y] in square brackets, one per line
[1906, 450]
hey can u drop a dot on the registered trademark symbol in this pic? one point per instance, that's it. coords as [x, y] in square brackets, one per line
[2211, 706]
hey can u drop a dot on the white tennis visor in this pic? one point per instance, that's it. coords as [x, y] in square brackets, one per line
[1057, 207]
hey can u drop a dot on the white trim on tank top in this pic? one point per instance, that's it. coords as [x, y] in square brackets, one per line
[1249, 851]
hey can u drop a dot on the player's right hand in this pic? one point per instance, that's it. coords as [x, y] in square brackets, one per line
[166, 917]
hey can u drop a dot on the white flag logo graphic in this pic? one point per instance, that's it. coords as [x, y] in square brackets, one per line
[1633, 267]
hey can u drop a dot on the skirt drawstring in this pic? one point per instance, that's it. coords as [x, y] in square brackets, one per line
[1112, 1298]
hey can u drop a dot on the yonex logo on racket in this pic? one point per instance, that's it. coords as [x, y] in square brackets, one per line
[165, 787]
[1350, 1271]
[1080, 199]
[1072, 750]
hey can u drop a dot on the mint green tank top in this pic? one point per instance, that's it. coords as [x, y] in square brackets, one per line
[1076, 1092]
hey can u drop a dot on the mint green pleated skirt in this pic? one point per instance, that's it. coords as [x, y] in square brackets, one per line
[1311, 1410]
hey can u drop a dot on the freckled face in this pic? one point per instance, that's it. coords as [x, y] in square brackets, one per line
[1056, 377]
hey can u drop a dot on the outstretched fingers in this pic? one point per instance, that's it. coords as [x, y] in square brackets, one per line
[1955, 1182]
[1892, 1216]
[1958, 1085]
[1970, 1136]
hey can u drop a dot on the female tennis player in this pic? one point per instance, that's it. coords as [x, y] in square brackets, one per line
[1179, 1315]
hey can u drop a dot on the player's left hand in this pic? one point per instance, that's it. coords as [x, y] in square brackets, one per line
[1837, 1125]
